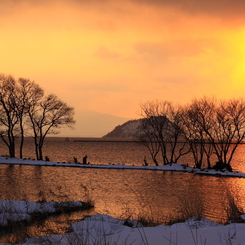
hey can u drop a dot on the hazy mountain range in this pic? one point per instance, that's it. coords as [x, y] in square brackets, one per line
[92, 124]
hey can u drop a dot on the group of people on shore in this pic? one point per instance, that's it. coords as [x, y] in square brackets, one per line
[74, 159]
[83, 162]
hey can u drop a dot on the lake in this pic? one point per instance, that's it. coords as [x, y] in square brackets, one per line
[121, 193]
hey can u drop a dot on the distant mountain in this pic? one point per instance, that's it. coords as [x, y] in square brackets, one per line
[92, 124]
[133, 128]
[129, 129]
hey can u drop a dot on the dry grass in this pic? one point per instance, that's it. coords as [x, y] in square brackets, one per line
[232, 210]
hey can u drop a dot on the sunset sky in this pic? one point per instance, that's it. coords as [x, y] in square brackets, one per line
[110, 56]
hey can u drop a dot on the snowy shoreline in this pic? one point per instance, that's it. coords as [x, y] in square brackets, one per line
[170, 167]
[103, 229]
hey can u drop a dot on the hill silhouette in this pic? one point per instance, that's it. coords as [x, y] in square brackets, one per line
[129, 129]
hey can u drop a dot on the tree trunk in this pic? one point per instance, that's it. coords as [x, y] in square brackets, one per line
[40, 147]
[21, 140]
[12, 150]
[40, 152]
[36, 146]
[11, 144]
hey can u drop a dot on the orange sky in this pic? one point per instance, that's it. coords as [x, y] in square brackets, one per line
[110, 56]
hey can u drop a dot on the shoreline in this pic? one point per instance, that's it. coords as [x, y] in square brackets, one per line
[174, 167]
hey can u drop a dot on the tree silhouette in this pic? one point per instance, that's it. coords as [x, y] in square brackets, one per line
[28, 94]
[47, 116]
[8, 112]
[24, 108]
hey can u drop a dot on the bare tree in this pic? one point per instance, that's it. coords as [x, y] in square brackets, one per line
[8, 112]
[200, 148]
[230, 129]
[176, 140]
[147, 138]
[23, 103]
[212, 128]
[28, 95]
[221, 124]
[154, 128]
[162, 131]
[46, 117]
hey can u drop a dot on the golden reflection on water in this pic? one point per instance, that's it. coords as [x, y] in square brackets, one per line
[123, 193]
[126, 194]
[238, 163]
[236, 186]
[156, 195]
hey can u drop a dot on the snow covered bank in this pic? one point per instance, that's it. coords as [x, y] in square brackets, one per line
[169, 167]
[15, 211]
[103, 229]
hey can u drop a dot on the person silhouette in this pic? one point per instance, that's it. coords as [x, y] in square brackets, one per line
[85, 159]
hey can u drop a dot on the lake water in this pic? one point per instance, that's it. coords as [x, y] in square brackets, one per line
[120, 193]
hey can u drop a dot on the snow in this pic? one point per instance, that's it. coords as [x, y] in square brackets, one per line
[22, 210]
[104, 229]
[169, 167]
